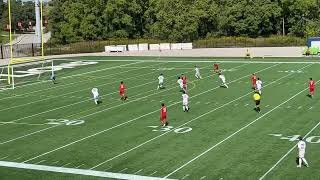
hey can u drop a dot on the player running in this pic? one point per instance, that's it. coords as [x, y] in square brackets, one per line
[259, 85]
[185, 102]
[122, 91]
[197, 75]
[311, 87]
[223, 80]
[95, 94]
[301, 151]
[254, 81]
[184, 81]
[257, 98]
[163, 115]
[180, 82]
[161, 81]
[216, 68]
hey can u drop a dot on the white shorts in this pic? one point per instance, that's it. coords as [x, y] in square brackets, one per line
[181, 86]
[96, 97]
[185, 103]
[301, 154]
[160, 82]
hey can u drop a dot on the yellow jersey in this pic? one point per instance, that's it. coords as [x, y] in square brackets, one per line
[256, 96]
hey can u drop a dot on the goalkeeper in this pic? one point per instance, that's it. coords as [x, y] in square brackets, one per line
[53, 79]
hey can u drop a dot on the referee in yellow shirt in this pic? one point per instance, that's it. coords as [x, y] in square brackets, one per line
[257, 98]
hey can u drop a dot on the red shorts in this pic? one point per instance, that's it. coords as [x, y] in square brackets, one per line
[311, 90]
[254, 84]
[121, 94]
[163, 118]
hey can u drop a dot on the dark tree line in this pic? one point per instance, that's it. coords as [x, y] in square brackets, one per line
[20, 12]
[181, 20]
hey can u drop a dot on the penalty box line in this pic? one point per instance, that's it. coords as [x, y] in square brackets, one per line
[285, 155]
[233, 134]
[75, 171]
[194, 119]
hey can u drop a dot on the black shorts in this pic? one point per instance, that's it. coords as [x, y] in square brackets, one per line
[257, 102]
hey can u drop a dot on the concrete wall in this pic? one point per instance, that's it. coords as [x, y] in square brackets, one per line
[221, 52]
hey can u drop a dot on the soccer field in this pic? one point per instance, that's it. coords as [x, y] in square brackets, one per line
[55, 131]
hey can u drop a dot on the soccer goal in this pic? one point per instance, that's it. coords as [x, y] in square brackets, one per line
[25, 71]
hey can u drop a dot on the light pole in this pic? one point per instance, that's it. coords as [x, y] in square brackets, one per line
[38, 21]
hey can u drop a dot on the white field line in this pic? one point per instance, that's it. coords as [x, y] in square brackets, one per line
[79, 166]
[132, 120]
[17, 158]
[80, 74]
[2, 158]
[35, 132]
[285, 155]
[76, 171]
[153, 173]
[82, 101]
[194, 119]
[26, 135]
[65, 94]
[63, 85]
[185, 176]
[29, 124]
[66, 164]
[203, 60]
[123, 170]
[138, 171]
[233, 134]
[40, 161]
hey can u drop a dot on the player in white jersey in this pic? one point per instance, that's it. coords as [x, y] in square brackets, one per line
[180, 82]
[185, 102]
[198, 76]
[95, 94]
[259, 85]
[302, 149]
[223, 80]
[161, 81]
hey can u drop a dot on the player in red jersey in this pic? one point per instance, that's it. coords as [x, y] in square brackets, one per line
[254, 81]
[216, 68]
[163, 115]
[122, 91]
[184, 81]
[311, 87]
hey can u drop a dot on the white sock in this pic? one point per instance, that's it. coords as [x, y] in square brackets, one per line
[187, 108]
[184, 108]
[300, 161]
[226, 85]
[305, 161]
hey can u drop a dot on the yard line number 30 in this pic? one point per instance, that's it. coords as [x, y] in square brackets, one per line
[181, 130]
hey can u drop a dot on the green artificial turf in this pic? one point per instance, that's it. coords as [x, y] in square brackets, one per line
[221, 137]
